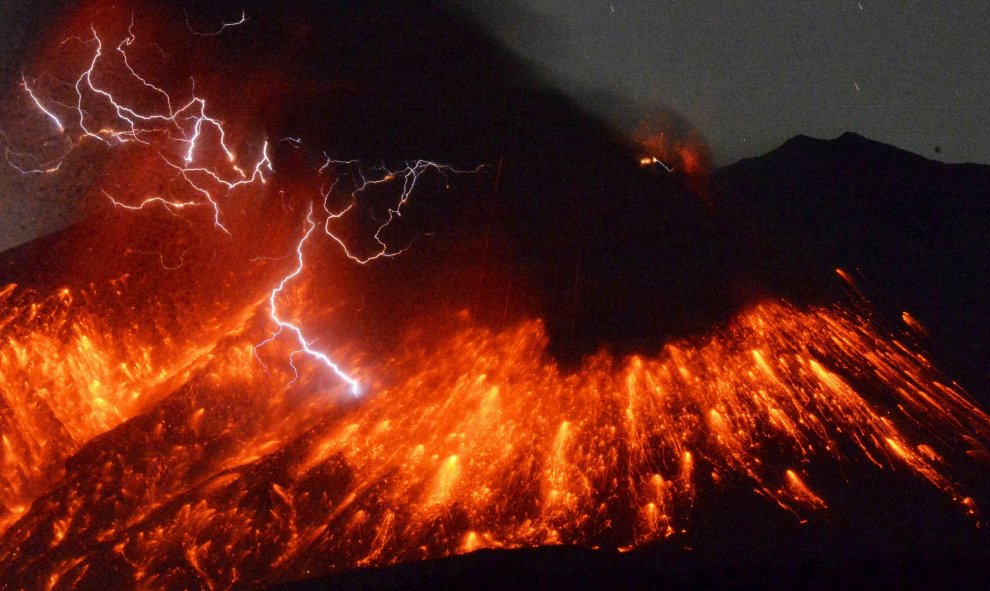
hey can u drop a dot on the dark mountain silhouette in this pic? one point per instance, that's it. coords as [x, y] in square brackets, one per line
[913, 231]
[575, 568]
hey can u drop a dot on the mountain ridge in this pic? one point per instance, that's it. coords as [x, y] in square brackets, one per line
[913, 230]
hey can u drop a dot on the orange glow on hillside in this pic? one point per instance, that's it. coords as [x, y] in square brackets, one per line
[471, 438]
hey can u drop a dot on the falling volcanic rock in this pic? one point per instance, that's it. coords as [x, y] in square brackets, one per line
[162, 428]
[912, 231]
[238, 476]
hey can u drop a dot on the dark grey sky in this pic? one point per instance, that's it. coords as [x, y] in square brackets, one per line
[747, 73]
[750, 74]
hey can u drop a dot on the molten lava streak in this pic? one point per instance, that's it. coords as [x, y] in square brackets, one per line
[164, 455]
[473, 439]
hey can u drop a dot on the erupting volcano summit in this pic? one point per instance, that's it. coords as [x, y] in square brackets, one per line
[349, 288]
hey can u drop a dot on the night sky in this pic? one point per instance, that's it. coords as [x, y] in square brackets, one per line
[751, 74]
[746, 75]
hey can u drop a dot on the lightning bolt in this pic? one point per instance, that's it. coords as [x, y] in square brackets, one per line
[181, 129]
[406, 177]
[179, 135]
[223, 26]
[37, 103]
[9, 155]
[286, 326]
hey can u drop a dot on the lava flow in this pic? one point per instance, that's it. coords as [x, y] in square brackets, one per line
[471, 439]
[207, 437]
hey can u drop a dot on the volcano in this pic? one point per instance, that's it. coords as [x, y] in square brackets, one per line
[369, 305]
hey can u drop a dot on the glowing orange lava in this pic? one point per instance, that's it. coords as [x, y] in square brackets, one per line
[662, 145]
[471, 438]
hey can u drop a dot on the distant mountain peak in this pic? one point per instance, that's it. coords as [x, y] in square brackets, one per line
[848, 141]
[849, 148]
[851, 136]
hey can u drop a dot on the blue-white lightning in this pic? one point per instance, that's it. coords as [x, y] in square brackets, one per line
[296, 331]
